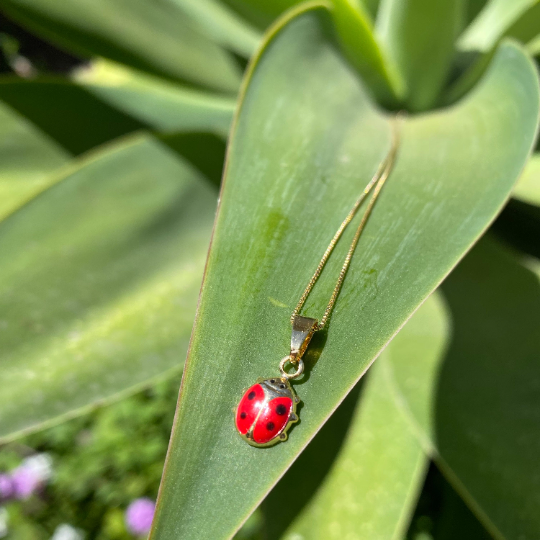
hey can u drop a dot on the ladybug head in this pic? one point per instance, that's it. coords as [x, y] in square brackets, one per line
[278, 386]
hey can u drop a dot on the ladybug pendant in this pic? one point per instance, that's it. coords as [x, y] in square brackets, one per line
[266, 411]
[268, 408]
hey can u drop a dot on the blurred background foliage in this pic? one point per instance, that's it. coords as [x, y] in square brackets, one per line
[117, 113]
[101, 461]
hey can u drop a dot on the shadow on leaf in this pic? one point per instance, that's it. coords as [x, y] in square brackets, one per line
[487, 411]
[308, 472]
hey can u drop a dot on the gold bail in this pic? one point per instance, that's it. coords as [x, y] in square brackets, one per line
[303, 329]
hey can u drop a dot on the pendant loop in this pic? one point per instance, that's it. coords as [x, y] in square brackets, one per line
[294, 374]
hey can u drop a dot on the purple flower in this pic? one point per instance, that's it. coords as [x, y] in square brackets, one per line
[25, 482]
[6, 486]
[139, 515]
[31, 475]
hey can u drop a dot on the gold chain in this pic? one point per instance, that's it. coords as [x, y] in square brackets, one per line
[378, 180]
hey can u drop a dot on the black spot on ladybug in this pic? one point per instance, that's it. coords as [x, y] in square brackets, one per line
[243, 415]
[282, 386]
[270, 426]
[281, 409]
[251, 395]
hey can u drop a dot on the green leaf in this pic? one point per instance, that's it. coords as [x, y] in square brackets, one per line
[371, 6]
[467, 80]
[419, 36]
[27, 157]
[473, 8]
[252, 12]
[357, 38]
[99, 281]
[496, 341]
[110, 103]
[306, 141]
[527, 26]
[483, 416]
[74, 118]
[492, 23]
[262, 10]
[157, 37]
[355, 34]
[528, 187]
[360, 476]
[533, 47]
[372, 487]
[222, 25]
[156, 103]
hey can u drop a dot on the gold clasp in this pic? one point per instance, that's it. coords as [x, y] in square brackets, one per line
[303, 329]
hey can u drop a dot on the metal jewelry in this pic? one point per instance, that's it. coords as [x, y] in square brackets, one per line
[268, 408]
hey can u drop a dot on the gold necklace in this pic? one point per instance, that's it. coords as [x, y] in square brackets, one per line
[268, 408]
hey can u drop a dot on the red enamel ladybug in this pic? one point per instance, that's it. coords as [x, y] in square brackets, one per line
[266, 411]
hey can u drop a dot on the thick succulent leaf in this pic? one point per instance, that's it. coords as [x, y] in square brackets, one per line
[27, 157]
[355, 33]
[109, 101]
[157, 37]
[258, 18]
[372, 486]
[357, 38]
[419, 36]
[495, 19]
[69, 107]
[223, 25]
[472, 9]
[533, 47]
[483, 417]
[111, 105]
[527, 27]
[467, 80]
[528, 187]
[422, 342]
[306, 141]
[360, 476]
[156, 103]
[492, 416]
[262, 10]
[371, 6]
[99, 280]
